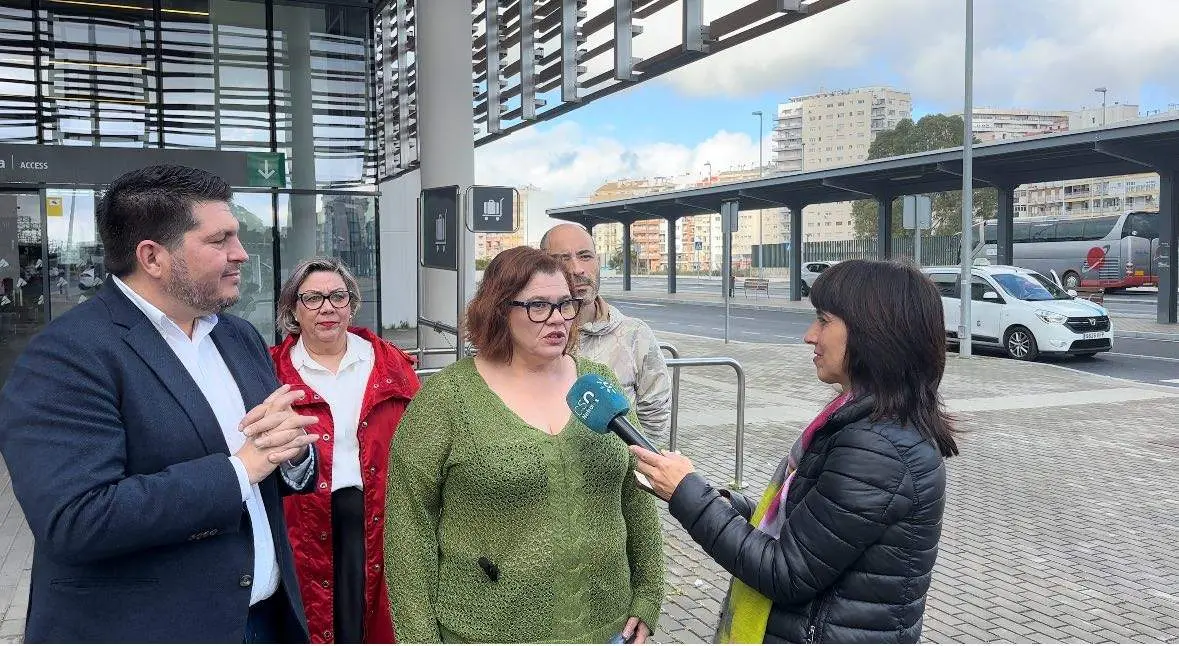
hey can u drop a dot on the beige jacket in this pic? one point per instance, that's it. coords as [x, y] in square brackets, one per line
[628, 346]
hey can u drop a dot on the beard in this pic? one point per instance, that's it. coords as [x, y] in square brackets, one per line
[590, 284]
[202, 297]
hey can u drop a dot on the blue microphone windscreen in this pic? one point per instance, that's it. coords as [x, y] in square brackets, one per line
[595, 402]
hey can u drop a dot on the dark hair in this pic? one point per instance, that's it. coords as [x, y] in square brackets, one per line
[896, 341]
[487, 313]
[153, 203]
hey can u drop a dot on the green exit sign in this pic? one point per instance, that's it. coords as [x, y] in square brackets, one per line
[267, 170]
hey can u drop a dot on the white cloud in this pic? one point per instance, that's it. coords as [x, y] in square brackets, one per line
[569, 163]
[1042, 53]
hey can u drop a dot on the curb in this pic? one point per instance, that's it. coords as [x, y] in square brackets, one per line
[806, 309]
[735, 304]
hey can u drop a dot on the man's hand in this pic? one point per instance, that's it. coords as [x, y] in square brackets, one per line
[274, 434]
[664, 471]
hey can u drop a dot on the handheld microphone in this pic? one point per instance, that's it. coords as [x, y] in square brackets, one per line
[603, 410]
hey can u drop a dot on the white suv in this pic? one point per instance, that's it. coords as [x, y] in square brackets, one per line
[810, 271]
[1023, 313]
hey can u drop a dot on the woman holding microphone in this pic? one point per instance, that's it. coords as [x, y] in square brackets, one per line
[841, 545]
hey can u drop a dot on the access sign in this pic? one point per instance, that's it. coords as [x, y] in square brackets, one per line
[266, 170]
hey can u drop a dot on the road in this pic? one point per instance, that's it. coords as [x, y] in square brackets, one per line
[1149, 361]
[1135, 303]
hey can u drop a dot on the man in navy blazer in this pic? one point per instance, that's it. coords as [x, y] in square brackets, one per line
[149, 442]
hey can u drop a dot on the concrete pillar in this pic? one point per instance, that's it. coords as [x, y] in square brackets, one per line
[1004, 247]
[626, 268]
[884, 227]
[295, 22]
[446, 121]
[1168, 247]
[671, 255]
[796, 251]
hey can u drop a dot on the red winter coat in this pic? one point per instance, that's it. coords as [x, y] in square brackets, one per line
[390, 387]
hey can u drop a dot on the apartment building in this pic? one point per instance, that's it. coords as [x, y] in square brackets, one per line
[1093, 117]
[647, 237]
[998, 124]
[1092, 196]
[1088, 197]
[830, 129]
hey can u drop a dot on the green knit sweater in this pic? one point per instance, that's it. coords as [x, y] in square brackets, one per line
[576, 543]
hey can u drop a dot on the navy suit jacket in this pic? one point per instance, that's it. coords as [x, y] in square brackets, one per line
[122, 471]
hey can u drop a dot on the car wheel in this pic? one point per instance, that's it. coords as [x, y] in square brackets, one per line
[1071, 280]
[806, 291]
[1020, 343]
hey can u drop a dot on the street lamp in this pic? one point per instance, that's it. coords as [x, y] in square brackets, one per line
[1102, 90]
[760, 221]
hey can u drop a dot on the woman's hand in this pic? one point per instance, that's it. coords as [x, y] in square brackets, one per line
[635, 631]
[664, 471]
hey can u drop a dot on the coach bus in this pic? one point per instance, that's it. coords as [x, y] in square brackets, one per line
[1112, 251]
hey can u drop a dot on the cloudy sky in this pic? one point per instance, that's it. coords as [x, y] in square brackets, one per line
[1045, 54]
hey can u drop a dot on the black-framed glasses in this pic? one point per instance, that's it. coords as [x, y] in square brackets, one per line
[314, 300]
[541, 311]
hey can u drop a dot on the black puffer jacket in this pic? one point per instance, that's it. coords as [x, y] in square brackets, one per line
[854, 559]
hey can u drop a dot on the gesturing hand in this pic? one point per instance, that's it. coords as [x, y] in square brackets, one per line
[274, 433]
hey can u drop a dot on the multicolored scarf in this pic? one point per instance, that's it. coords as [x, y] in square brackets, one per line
[746, 611]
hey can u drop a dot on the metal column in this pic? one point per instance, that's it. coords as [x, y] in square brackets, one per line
[295, 21]
[1004, 247]
[671, 256]
[447, 151]
[795, 251]
[884, 226]
[626, 268]
[1168, 267]
[729, 214]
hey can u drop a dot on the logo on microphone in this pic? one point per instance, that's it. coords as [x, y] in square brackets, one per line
[585, 405]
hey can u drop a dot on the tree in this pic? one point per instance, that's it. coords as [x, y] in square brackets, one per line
[932, 132]
[615, 261]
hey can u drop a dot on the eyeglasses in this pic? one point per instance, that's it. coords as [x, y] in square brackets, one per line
[314, 300]
[541, 311]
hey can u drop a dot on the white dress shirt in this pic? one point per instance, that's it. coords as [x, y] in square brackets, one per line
[344, 393]
[204, 363]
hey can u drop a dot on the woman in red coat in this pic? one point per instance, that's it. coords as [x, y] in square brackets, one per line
[358, 385]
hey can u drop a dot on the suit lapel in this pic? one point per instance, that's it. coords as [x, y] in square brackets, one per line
[242, 364]
[145, 340]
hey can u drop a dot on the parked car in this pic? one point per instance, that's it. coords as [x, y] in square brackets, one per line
[1024, 313]
[810, 271]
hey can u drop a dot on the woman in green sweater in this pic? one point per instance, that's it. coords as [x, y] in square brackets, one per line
[507, 520]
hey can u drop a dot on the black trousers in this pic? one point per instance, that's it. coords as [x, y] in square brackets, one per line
[348, 564]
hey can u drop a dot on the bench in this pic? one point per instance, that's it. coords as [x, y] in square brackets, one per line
[1094, 294]
[756, 285]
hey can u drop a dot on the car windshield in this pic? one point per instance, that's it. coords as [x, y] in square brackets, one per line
[1031, 287]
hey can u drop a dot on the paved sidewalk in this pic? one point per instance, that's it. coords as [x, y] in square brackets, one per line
[1127, 326]
[1061, 518]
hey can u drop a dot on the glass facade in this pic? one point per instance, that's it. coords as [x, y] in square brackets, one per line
[231, 75]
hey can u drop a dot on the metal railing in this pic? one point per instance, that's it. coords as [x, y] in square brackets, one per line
[675, 396]
[426, 372]
[675, 364]
[419, 352]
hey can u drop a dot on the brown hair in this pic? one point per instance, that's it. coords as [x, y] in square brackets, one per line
[487, 313]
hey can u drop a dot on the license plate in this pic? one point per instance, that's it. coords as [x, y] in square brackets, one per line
[1093, 335]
